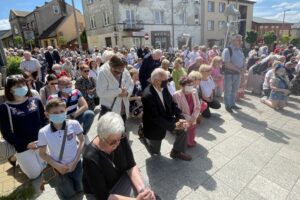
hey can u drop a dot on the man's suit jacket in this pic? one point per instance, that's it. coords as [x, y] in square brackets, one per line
[52, 58]
[157, 118]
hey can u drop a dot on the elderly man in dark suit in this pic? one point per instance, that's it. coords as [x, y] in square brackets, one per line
[161, 114]
[52, 57]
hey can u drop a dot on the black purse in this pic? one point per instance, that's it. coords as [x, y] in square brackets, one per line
[105, 109]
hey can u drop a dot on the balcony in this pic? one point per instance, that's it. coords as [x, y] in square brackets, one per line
[129, 25]
[130, 1]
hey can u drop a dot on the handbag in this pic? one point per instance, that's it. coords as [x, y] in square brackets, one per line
[6, 149]
[105, 109]
[50, 175]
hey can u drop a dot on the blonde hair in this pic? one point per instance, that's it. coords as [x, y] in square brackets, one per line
[177, 61]
[204, 67]
[215, 60]
[133, 71]
[195, 75]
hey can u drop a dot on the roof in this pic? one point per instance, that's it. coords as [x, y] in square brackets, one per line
[296, 26]
[261, 20]
[20, 13]
[5, 34]
[51, 30]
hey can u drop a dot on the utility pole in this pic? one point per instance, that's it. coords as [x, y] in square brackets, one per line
[282, 28]
[173, 36]
[77, 28]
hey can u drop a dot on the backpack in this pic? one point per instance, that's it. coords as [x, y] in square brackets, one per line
[223, 69]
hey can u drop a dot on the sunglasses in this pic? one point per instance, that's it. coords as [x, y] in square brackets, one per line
[86, 71]
[115, 142]
[53, 83]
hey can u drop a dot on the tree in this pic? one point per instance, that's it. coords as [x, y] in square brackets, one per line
[270, 38]
[295, 41]
[285, 39]
[83, 37]
[251, 37]
[18, 40]
[30, 42]
[62, 41]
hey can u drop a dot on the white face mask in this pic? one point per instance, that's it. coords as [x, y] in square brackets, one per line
[188, 88]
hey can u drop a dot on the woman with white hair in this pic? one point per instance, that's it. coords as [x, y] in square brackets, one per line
[257, 73]
[109, 169]
[131, 57]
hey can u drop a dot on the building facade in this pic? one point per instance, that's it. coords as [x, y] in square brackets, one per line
[215, 21]
[126, 22]
[295, 31]
[43, 24]
[262, 25]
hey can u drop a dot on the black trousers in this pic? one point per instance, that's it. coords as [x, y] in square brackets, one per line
[215, 104]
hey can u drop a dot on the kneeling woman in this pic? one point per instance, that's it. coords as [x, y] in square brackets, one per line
[279, 85]
[109, 169]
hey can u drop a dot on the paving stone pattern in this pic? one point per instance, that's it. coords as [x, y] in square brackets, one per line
[251, 154]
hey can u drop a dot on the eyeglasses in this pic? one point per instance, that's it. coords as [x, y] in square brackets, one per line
[53, 83]
[86, 71]
[115, 142]
[180, 63]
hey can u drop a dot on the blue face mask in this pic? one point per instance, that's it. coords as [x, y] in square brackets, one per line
[21, 91]
[57, 118]
[57, 71]
[67, 90]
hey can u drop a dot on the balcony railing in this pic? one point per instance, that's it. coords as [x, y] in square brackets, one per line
[130, 1]
[129, 25]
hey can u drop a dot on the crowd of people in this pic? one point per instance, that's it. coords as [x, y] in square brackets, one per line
[54, 101]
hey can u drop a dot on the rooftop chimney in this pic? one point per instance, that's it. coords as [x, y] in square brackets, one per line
[63, 7]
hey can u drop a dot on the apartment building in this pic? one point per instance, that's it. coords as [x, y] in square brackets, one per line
[157, 23]
[46, 23]
[215, 21]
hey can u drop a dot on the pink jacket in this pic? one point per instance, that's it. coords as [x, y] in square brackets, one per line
[182, 103]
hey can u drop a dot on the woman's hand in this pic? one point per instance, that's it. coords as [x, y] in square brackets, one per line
[72, 166]
[32, 145]
[147, 194]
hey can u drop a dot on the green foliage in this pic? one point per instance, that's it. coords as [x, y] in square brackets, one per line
[285, 39]
[13, 65]
[295, 41]
[24, 192]
[251, 37]
[18, 40]
[30, 42]
[83, 37]
[62, 41]
[270, 37]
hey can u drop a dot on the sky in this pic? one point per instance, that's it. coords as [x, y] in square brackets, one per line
[271, 9]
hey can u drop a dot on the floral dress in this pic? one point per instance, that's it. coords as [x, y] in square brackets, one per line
[276, 95]
[83, 85]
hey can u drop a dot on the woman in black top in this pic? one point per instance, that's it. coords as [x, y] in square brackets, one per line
[28, 117]
[109, 169]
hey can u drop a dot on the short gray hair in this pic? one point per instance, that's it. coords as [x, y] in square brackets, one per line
[157, 73]
[110, 124]
[157, 51]
[235, 36]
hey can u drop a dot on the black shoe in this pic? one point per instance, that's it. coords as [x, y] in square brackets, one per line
[236, 108]
[228, 109]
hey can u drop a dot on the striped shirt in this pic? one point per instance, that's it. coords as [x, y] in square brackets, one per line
[71, 101]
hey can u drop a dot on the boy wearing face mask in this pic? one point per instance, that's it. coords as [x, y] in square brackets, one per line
[188, 102]
[52, 136]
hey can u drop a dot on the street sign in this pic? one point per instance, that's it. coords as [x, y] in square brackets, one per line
[146, 36]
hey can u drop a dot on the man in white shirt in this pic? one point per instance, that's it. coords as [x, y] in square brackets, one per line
[31, 65]
[194, 54]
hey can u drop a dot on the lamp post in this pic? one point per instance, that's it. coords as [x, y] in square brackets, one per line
[284, 19]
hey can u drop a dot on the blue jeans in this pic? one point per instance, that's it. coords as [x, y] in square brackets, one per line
[86, 119]
[70, 183]
[231, 86]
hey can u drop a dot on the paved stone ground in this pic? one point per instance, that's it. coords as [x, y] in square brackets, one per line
[251, 154]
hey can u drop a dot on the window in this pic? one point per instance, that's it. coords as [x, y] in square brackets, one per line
[105, 19]
[211, 6]
[221, 7]
[130, 16]
[210, 25]
[90, 2]
[222, 25]
[158, 17]
[55, 9]
[196, 19]
[92, 22]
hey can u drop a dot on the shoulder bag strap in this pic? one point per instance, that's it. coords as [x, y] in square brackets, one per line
[63, 143]
[120, 83]
[10, 118]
